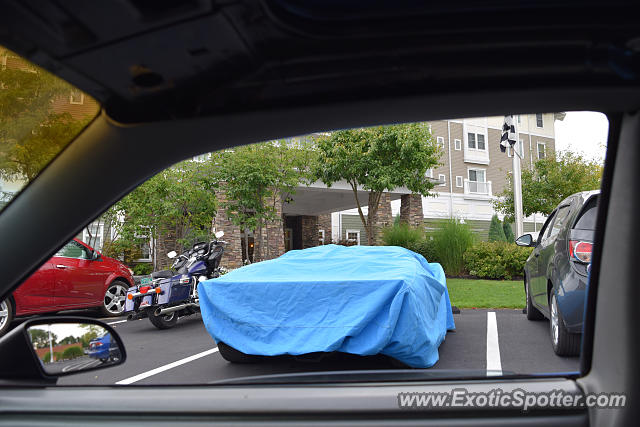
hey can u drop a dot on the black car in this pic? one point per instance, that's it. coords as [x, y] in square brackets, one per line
[555, 274]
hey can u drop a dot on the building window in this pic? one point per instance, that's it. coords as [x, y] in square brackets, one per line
[542, 150]
[321, 237]
[477, 181]
[521, 148]
[429, 173]
[443, 180]
[145, 245]
[519, 119]
[539, 121]
[458, 181]
[353, 236]
[76, 97]
[93, 235]
[145, 250]
[476, 141]
[457, 144]
[440, 142]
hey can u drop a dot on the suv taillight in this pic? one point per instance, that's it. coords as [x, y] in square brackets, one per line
[580, 251]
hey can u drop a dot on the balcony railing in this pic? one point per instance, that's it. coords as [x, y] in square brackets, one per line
[477, 187]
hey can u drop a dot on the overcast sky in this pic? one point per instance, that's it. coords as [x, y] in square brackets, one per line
[585, 132]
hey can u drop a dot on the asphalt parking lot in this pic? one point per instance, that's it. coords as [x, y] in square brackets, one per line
[495, 340]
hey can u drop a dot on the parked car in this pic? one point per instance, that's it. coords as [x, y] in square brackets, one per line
[104, 348]
[77, 276]
[555, 274]
[361, 300]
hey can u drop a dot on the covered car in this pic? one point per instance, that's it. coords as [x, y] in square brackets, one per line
[361, 300]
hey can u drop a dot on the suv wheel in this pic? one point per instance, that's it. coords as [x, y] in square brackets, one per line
[532, 312]
[563, 342]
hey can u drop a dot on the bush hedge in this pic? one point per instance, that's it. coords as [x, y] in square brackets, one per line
[72, 353]
[449, 242]
[402, 235]
[496, 260]
[142, 269]
[424, 248]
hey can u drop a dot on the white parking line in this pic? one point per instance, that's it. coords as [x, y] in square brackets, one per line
[494, 366]
[82, 365]
[117, 321]
[172, 365]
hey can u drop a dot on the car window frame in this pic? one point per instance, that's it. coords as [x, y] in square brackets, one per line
[561, 220]
[546, 227]
[73, 242]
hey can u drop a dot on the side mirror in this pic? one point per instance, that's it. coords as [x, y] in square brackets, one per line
[525, 240]
[172, 254]
[219, 234]
[95, 255]
[50, 347]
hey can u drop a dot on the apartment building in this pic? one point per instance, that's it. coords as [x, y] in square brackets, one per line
[472, 173]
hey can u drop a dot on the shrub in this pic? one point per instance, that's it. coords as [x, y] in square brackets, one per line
[142, 269]
[47, 356]
[496, 260]
[508, 232]
[496, 232]
[401, 235]
[72, 352]
[450, 242]
[424, 248]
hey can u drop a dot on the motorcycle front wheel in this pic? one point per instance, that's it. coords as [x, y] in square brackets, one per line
[164, 321]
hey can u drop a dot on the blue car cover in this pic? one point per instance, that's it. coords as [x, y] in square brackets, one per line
[362, 300]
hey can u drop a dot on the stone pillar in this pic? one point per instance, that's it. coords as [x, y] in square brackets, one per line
[166, 243]
[324, 223]
[232, 257]
[382, 218]
[411, 210]
[273, 231]
[309, 231]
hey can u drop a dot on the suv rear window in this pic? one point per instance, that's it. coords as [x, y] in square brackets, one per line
[587, 218]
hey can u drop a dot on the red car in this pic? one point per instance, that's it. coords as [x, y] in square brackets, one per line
[77, 276]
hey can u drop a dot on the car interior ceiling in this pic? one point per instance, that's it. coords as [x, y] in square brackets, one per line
[588, 64]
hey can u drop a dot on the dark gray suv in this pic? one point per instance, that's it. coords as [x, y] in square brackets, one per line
[555, 274]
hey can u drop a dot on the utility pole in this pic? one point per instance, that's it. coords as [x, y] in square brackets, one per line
[517, 184]
[50, 346]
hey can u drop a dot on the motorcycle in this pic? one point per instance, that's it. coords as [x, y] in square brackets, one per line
[169, 294]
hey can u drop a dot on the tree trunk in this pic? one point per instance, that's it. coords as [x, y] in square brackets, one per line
[246, 245]
[365, 223]
[372, 214]
[258, 243]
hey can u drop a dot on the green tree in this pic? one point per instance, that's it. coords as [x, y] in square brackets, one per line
[69, 340]
[378, 159]
[496, 232]
[253, 176]
[40, 337]
[179, 200]
[31, 134]
[508, 232]
[550, 182]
